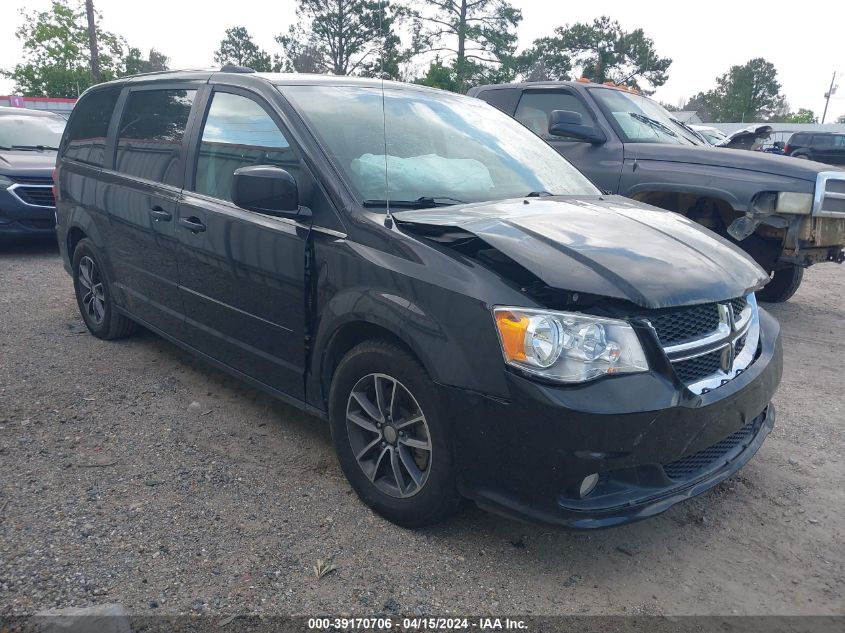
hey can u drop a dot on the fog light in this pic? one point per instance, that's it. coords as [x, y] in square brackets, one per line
[588, 485]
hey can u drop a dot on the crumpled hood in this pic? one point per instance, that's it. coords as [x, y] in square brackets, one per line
[25, 160]
[608, 246]
[785, 166]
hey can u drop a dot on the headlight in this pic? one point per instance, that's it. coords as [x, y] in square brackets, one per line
[794, 203]
[5, 183]
[568, 347]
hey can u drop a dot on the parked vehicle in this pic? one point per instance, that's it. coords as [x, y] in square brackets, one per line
[712, 135]
[824, 147]
[786, 214]
[471, 315]
[28, 143]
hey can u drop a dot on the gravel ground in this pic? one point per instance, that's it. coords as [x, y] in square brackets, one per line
[116, 488]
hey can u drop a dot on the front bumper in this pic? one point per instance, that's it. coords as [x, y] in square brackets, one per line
[653, 442]
[21, 221]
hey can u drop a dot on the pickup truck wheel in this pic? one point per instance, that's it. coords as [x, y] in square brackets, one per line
[390, 438]
[94, 298]
[784, 284]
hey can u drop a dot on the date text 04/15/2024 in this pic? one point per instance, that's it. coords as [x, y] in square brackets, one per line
[416, 624]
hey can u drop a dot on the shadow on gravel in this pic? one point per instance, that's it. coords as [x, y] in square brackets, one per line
[28, 247]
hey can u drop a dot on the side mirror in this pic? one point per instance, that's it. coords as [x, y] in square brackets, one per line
[568, 123]
[265, 189]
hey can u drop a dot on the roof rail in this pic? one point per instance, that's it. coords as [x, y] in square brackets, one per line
[231, 68]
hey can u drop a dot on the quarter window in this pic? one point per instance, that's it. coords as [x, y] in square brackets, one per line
[238, 132]
[85, 137]
[151, 132]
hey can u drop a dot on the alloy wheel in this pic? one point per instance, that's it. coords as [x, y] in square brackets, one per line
[92, 291]
[389, 435]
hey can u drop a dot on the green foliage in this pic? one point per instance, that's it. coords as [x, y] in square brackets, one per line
[750, 92]
[802, 116]
[135, 64]
[56, 57]
[344, 37]
[239, 49]
[475, 40]
[601, 51]
[439, 75]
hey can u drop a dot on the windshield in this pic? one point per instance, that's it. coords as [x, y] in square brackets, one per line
[711, 136]
[437, 149]
[28, 132]
[641, 120]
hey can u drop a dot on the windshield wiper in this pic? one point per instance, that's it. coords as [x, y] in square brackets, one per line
[653, 123]
[35, 147]
[423, 202]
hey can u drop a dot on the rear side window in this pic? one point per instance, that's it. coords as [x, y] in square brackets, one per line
[239, 132]
[85, 135]
[502, 98]
[535, 108]
[149, 140]
[840, 141]
[822, 140]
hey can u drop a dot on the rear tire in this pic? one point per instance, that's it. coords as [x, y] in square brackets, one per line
[402, 469]
[94, 297]
[784, 284]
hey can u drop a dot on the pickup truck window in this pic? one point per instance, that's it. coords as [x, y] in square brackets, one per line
[640, 120]
[432, 145]
[536, 106]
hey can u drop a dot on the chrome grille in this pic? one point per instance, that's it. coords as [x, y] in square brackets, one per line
[34, 195]
[829, 200]
[686, 324]
[698, 367]
[738, 304]
[705, 352]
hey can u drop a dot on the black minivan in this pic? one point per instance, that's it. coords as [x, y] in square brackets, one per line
[471, 315]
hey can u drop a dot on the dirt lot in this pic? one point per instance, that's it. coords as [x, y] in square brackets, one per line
[115, 488]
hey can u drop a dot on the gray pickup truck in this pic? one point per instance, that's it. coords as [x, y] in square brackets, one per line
[786, 213]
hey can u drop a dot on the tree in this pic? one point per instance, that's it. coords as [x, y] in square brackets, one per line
[135, 64]
[601, 51]
[56, 54]
[239, 49]
[440, 76]
[802, 116]
[475, 40]
[750, 92]
[344, 37]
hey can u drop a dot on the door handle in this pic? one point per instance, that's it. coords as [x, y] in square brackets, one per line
[160, 215]
[194, 225]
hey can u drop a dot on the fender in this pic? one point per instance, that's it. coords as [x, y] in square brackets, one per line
[368, 312]
[738, 188]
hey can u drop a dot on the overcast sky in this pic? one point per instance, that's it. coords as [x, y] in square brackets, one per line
[803, 41]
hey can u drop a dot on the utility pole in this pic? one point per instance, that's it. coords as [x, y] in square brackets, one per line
[92, 42]
[828, 95]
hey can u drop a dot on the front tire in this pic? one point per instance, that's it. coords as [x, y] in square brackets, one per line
[94, 297]
[392, 442]
[784, 284]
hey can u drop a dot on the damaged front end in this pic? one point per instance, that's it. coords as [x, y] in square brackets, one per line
[810, 226]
